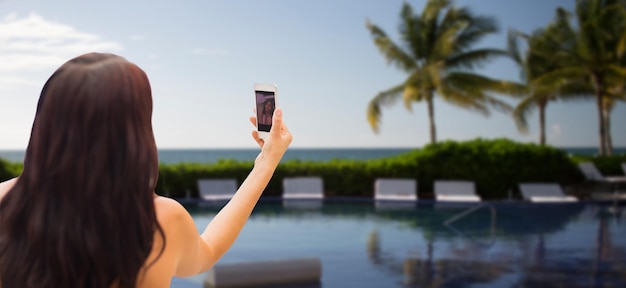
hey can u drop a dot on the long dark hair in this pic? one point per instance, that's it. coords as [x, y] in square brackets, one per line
[82, 214]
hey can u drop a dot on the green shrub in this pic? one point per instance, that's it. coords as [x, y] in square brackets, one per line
[180, 180]
[496, 167]
[9, 170]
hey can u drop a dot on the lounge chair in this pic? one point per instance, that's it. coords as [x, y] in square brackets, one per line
[395, 189]
[455, 191]
[303, 192]
[544, 192]
[303, 188]
[289, 272]
[395, 193]
[217, 189]
[593, 174]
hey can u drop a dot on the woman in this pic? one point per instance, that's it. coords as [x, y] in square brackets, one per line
[268, 112]
[83, 213]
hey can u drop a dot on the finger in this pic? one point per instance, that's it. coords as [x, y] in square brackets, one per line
[285, 130]
[255, 135]
[277, 121]
[253, 120]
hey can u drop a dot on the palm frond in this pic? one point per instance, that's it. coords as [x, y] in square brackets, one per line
[478, 84]
[477, 28]
[498, 104]
[472, 91]
[444, 45]
[561, 36]
[513, 48]
[573, 90]
[617, 71]
[443, 41]
[393, 54]
[384, 98]
[432, 11]
[430, 24]
[521, 112]
[409, 29]
[414, 88]
[474, 59]
[433, 75]
[621, 46]
[523, 61]
[464, 100]
[560, 77]
[450, 21]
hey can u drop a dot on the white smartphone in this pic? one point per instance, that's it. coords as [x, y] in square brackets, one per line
[266, 100]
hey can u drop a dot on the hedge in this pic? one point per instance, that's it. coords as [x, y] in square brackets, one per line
[9, 169]
[496, 166]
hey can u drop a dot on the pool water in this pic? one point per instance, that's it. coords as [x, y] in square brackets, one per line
[501, 244]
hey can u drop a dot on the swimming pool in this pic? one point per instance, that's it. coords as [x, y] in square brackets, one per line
[501, 244]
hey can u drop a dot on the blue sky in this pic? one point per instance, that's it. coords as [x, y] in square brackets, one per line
[202, 58]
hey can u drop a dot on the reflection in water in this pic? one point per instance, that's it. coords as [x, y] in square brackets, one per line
[604, 266]
[536, 262]
[379, 257]
[362, 245]
[451, 272]
[373, 247]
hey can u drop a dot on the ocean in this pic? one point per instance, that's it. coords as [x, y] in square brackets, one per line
[170, 156]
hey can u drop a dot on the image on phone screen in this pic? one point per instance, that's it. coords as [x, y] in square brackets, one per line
[265, 104]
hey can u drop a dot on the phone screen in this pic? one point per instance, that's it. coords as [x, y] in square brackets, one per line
[265, 104]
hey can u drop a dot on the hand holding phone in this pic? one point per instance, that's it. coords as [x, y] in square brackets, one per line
[266, 96]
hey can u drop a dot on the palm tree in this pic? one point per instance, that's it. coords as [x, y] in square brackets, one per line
[616, 93]
[592, 50]
[436, 54]
[540, 58]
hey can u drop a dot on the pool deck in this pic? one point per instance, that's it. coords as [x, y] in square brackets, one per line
[595, 198]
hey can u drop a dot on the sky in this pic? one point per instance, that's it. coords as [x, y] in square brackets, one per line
[203, 57]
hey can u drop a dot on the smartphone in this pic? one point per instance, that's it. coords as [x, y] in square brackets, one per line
[266, 96]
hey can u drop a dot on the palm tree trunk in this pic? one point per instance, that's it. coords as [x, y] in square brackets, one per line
[430, 268]
[599, 94]
[542, 124]
[603, 249]
[607, 124]
[431, 118]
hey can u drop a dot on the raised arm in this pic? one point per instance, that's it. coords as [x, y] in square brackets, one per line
[222, 231]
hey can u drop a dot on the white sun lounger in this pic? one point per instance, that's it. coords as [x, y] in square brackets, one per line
[217, 189]
[593, 174]
[544, 192]
[303, 192]
[303, 188]
[290, 272]
[395, 189]
[395, 193]
[455, 191]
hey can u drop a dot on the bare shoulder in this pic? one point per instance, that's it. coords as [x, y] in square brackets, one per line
[173, 217]
[180, 230]
[6, 186]
[169, 209]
